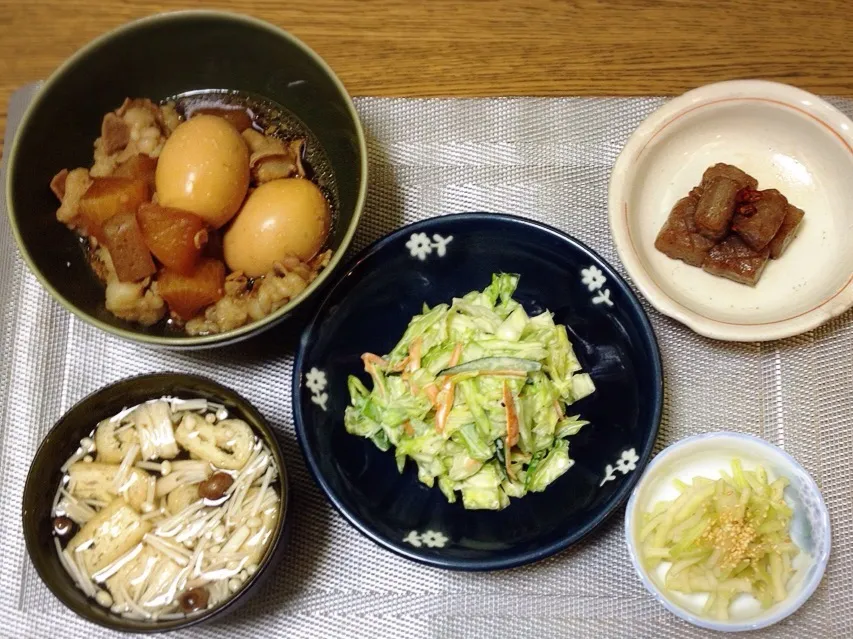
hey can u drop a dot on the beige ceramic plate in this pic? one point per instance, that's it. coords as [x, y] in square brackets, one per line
[788, 139]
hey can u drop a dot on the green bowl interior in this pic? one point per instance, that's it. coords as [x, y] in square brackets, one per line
[157, 58]
[62, 441]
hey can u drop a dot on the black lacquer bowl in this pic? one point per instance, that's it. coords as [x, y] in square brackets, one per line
[431, 262]
[158, 57]
[63, 440]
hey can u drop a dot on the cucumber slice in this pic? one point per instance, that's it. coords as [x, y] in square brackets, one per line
[490, 364]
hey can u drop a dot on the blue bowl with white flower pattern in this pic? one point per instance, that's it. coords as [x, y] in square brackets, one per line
[369, 307]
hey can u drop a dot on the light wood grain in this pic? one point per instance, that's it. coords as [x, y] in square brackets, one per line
[487, 48]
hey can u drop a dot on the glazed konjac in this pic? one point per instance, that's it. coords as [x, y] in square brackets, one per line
[201, 219]
[729, 228]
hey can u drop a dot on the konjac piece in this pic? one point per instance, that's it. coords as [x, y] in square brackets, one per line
[130, 255]
[758, 221]
[176, 237]
[679, 238]
[716, 207]
[728, 171]
[787, 232]
[734, 259]
[728, 227]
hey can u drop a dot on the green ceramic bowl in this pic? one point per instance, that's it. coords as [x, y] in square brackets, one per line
[159, 57]
[63, 440]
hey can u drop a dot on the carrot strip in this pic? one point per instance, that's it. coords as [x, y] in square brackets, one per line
[370, 367]
[415, 353]
[444, 410]
[409, 429]
[511, 425]
[432, 392]
[370, 358]
[448, 388]
[511, 417]
[402, 365]
[412, 363]
[456, 356]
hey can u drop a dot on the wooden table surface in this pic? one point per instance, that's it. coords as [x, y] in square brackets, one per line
[495, 47]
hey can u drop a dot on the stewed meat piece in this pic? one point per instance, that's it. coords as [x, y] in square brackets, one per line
[758, 221]
[787, 232]
[115, 133]
[679, 238]
[728, 171]
[734, 259]
[717, 207]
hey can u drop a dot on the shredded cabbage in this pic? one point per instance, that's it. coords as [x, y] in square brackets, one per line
[475, 393]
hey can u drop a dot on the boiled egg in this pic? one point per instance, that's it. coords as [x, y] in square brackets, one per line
[281, 218]
[204, 168]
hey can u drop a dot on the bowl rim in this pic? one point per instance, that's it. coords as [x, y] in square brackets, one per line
[794, 603]
[189, 341]
[266, 564]
[518, 559]
[806, 105]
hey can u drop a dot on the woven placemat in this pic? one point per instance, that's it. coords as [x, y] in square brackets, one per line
[550, 160]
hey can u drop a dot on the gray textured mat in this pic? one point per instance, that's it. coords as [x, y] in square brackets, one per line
[548, 159]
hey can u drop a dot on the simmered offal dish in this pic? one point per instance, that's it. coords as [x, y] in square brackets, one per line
[475, 393]
[724, 538]
[166, 509]
[728, 227]
[199, 217]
